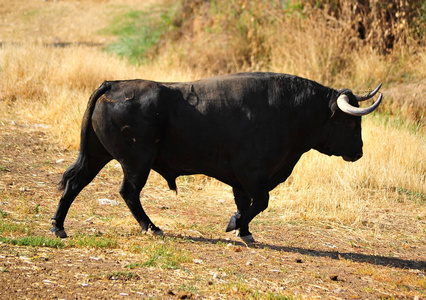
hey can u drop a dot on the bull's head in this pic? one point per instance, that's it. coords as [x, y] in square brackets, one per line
[343, 130]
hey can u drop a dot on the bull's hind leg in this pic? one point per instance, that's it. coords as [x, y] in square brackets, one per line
[133, 182]
[76, 178]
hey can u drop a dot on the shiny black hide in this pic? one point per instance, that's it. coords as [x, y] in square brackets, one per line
[247, 130]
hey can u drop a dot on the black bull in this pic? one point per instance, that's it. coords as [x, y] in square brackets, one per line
[247, 130]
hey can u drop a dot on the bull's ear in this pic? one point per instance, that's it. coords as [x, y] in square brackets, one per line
[333, 107]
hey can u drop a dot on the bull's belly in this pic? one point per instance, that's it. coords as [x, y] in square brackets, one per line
[174, 165]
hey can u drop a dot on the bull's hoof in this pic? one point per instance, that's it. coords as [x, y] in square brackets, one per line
[248, 239]
[232, 224]
[58, 232]
[157, 232]
[153, 231]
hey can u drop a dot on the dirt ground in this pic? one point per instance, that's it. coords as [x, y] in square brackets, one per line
[295, 260]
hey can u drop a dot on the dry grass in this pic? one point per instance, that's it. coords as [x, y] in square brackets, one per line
[241, 35]
[330, 190]
[51, 85]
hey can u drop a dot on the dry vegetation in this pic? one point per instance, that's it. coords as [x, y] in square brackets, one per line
[347, 42]
[365, 222]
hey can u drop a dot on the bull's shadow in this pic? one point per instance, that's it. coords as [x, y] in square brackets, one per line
[355, 257]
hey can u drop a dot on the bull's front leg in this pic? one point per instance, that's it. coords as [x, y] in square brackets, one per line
[241, 219]
[243, 203]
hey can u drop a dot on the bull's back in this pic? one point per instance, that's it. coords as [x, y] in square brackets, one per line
[217, 122]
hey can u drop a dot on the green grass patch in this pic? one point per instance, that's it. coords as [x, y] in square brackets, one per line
[416, 196]
[272, 296]
[86, 241]
[13, 227]
[133, 266]
[3, 214]
[34, 241]
[139, 32]
[164, 255]
[188, 288]
[400, 122]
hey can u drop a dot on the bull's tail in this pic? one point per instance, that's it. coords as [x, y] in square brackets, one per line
[81, 164]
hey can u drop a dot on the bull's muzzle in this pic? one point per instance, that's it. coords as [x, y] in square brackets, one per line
[352, 158]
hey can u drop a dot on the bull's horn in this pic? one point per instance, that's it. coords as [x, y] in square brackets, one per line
[369, 95]
[343, 104]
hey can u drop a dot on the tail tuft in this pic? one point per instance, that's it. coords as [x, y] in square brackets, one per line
[79, 167]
